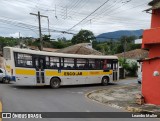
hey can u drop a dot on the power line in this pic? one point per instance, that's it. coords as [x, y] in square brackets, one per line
[28, 26]
[89, 15]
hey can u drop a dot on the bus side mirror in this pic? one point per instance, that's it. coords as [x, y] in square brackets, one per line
[155, 73]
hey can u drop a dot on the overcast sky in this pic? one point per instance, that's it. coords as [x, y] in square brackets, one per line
[65, 14]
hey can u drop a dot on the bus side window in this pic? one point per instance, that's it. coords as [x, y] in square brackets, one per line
[81, 64]
[92, 64]
[47, 62]
[54, 62]
[69, 63]
[36, 64]
[86, 65]
[23, 60]
[104, 64]
[98, 64]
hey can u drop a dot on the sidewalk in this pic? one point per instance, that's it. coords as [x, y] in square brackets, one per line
[122, 97]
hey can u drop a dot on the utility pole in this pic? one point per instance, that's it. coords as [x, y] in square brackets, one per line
[124, 48]
[56, 12]
[48, 27]
[40, 33]
[20, 41]
[19, 35]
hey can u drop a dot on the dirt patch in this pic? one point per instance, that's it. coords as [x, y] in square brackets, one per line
[122, 97]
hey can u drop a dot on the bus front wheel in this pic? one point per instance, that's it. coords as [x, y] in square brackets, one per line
[55, 83]
[3, 80]
[105, 81]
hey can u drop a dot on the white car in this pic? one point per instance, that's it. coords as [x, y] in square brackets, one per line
[139, 72]
[139, 79]
[3, 76]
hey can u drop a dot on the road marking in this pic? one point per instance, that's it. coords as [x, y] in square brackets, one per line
[77, 92]
[0, 109]
[88, 111]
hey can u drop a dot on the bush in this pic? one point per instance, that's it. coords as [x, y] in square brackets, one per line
[130, 68]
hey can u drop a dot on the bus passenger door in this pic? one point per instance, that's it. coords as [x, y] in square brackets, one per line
[115, 70]
[39, 65]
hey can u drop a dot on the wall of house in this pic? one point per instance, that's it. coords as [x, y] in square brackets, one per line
[151, 41]
[154, 51]
[155, 19]
[150, 83]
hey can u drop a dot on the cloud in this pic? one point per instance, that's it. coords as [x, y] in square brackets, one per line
[15, 35]
[113, 16]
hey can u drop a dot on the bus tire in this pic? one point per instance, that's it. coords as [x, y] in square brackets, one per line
[55, 83]
[105, 81]
[8, 81]
[3, 80]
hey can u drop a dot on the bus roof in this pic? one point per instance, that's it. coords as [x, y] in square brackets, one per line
[60, 54]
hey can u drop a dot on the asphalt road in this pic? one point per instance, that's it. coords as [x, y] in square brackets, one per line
[64, 99]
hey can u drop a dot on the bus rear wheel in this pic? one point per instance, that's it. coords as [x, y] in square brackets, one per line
[3, 80]
[55, 83]
[105, 81]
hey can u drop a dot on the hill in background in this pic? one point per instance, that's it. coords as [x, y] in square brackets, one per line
[117, 34]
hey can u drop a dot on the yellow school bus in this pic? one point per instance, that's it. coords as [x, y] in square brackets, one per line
[31, 67]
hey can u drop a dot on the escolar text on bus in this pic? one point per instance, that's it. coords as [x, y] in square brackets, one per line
[72, 73]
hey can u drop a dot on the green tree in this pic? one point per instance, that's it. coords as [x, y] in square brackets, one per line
[126, 42]
[123, 63]
[83, 36]
[46, 38]
[132, 70]
[63, 39]
[6, 41]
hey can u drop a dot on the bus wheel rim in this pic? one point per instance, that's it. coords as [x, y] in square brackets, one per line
[105, 81]
[55, 83]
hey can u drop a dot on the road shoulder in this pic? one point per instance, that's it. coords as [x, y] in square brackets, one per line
[122, 97]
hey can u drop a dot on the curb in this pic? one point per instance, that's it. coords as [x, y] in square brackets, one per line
[129, 108]
[108, 104]
[0, 109]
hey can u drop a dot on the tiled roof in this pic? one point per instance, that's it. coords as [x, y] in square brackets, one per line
[154, 2]
[50, 49]
[44, 49]
[80, 49]
[134, 54]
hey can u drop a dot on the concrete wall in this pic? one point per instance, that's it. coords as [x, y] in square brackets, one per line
[150, 83]
[155, 19]
[151, 41]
